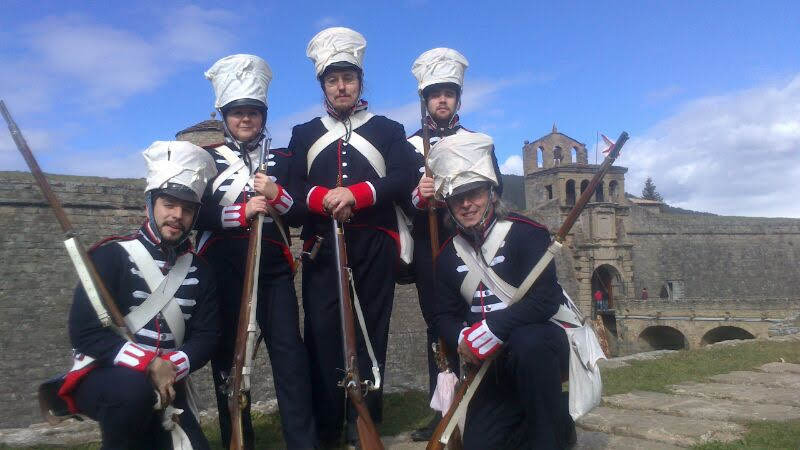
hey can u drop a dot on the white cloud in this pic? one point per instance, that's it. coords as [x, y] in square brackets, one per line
[512, 165]
[734, 154]
[99, 66]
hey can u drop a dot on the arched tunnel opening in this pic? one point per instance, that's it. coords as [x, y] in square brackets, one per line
[726, 333]
[662, 338]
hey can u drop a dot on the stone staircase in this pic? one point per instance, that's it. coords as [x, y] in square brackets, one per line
[694, 413]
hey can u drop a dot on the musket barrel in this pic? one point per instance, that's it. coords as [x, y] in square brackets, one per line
[36, 171]
[590, 189]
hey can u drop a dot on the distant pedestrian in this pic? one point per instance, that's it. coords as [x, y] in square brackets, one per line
[644, 293]
[598, 300]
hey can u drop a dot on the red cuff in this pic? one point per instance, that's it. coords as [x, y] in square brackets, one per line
[234, 216]
[419, 201]
[181, 362]
[282, 201]
[134, 357]
[364, 194]
[314, 199]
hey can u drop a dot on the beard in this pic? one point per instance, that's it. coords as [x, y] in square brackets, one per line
[172, 239]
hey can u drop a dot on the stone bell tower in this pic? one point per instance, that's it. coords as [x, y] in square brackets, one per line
[557, 171]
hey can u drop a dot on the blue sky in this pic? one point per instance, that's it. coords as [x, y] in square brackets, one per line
[709, 91]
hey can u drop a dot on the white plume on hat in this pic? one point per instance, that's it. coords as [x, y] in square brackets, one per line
[336, 44]
[459, 160]
[236, 77]
[439, 65]
[178, 162]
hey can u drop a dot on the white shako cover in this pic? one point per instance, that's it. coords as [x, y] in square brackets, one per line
[439, 65]
[336, 44]
[461, 159]
[236, 77]
[178, 162]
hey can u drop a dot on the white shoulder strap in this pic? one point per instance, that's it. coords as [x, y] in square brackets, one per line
[416, 141]
[477, 272]
[237, 170]
[336, 130]
[369, 151]
[162, 290]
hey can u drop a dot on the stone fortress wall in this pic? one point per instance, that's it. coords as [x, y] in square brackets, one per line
[37, 282]
[720, 277]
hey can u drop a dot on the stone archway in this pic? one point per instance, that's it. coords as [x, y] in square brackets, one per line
[726, 333]
[607, 279]
[662, 337]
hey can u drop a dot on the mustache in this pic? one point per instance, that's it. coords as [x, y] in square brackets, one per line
[177, 225]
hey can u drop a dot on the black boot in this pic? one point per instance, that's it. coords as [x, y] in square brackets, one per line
[425, 433]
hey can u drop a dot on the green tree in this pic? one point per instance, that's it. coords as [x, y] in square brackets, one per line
[649, 191]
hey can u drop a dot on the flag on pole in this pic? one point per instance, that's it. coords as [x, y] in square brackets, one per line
[608, 142]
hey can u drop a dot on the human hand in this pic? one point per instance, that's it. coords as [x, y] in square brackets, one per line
[466, 354]
[255, 205]
[343, 214]
[162, 375]
[264, 185]
[337, 199]
[426, 187]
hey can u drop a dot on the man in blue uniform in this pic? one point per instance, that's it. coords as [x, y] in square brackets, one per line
[519, 402]
[168, 296]
[354, 166]
[230, 202]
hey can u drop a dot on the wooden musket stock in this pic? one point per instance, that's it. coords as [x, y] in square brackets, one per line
[367, 433]
[237, 389]
[435, 442]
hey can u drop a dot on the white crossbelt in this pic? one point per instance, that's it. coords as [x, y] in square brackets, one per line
[162, 290]
[480, 272]
[237, 170]
[336, 130]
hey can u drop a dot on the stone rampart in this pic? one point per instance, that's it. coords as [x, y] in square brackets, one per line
[37, 281]
[715, 256]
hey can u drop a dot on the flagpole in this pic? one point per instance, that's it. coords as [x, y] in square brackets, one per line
[596, 138]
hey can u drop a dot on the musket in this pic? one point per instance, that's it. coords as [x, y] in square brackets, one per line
[100, 298]
[433, 222]
[109, 313]
[368, 436]
[441, 434]
[239, 378]
[439, 348]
